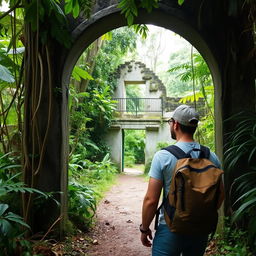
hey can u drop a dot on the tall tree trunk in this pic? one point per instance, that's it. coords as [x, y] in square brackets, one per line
[42, 136]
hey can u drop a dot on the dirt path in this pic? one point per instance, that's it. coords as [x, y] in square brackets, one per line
[116, 232]
[118, 218]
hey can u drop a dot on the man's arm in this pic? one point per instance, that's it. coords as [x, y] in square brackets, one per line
[149, 208]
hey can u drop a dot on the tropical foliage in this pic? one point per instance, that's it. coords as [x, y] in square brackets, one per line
[134, 146]
[90, 106]
[32, 27]
[86, 184]
[12, 224]
[177, 87]
[240, 151]
[230, 242]
[197, 74]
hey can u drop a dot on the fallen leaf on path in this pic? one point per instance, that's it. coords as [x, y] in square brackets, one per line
[95, 242]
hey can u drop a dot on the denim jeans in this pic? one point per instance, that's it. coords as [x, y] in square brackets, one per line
[166, 243]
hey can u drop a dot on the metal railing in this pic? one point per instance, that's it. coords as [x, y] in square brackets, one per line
[139, 105]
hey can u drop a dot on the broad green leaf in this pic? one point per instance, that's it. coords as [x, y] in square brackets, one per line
[14, 176]
[5, 75]
[68, 6]
[7, 167]
[17, 219]
[243, 186]
[107, 36]
[75, 75]
[58, 11]
[248, 193]
[241, 210]
[124, 4]
[3, 208]
[5, 227]
[83, 94]
[130, 19]
[76, 9]
[3, 191]
[80, 73]
[102, 109]
[106, 157]
[141, 29]
[92, 145]
[251, 154]
[5, 155]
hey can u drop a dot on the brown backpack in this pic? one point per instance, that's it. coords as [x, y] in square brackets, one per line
[191, 205]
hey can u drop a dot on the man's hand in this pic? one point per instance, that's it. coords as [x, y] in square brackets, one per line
[149, 208]
[146, 237]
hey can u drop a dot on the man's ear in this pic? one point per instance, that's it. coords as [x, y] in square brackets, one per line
[176, 125]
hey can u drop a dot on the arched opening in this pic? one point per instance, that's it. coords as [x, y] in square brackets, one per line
[110, 19]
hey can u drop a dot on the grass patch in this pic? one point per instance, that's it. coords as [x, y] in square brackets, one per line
[139, 167]
[104, 185]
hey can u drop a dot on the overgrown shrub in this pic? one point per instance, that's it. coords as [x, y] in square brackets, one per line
[231, 242]
[84, 182]
[12, 225]
[82, 204]
[129, 160]
[134, 146]
[240, 167]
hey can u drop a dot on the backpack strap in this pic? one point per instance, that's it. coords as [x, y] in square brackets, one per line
[205, 152]
[179, 153]
[176, 151]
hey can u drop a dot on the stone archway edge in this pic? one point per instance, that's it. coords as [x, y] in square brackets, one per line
[110, 18]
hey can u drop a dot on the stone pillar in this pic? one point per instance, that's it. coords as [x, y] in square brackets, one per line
[114, 139]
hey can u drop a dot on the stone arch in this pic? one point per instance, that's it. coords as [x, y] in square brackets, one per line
[144, 112]
[109, 18]
[165, 16]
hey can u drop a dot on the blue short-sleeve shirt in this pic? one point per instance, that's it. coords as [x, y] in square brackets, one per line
[163, 164]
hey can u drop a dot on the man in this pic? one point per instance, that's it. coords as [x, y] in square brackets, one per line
[183, 125]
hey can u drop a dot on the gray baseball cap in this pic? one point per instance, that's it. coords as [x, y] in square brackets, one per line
[186, 115]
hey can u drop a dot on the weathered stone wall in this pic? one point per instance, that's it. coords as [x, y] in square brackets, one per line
[171, 103]
[156, 131]
[136, 71]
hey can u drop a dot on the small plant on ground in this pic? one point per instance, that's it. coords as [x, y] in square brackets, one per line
[82, 204]
[85, 187]
[12, 225]
[232, 242]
